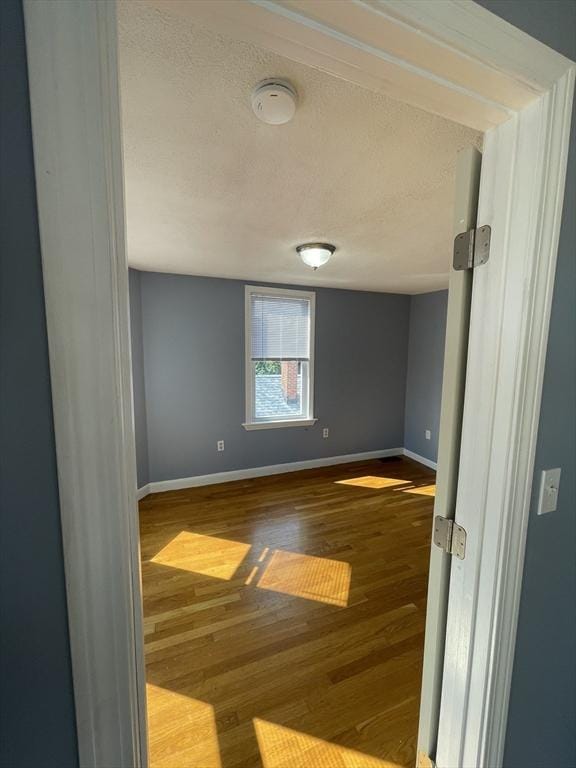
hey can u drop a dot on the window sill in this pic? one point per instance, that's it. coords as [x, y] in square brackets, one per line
[277, 424]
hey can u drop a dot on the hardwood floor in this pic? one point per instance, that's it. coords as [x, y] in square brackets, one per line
[284, 618]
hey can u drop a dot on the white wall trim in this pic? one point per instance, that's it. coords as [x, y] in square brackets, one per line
[256, 425]
[420, 459]
[270, 469]
[142, 492]
[73, 77]
[521, 197]
[450, 57]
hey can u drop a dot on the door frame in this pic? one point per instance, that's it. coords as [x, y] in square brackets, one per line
[451, 57]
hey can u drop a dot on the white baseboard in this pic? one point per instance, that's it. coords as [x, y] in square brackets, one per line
[273, 469]
[141, 492]
[420, 459]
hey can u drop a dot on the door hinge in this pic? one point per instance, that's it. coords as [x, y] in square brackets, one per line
[450, 537]
[472, 248]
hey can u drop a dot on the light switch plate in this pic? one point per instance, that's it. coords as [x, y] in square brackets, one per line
[549, 487]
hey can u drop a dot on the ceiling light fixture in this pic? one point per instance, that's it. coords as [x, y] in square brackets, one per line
[315, 254]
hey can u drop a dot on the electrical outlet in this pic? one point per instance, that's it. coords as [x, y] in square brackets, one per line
[325, 432]
[220, 445]
[428, 434]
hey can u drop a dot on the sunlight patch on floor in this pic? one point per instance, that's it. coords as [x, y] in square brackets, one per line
[184, 731]
[313, 578]
[206, 555]
[282, 747]
[291, 573]
[373, 481]
[422, 490]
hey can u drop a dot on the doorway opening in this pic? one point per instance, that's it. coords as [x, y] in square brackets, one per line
[286, 431]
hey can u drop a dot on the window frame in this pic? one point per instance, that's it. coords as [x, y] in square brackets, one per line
[250, 423]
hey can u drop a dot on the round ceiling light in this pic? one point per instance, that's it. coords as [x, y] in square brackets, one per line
[315, 254]
[274, 101]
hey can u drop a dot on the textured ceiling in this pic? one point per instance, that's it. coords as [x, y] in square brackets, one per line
[210, 190]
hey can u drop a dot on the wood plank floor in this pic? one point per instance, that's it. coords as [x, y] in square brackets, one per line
[284, 618]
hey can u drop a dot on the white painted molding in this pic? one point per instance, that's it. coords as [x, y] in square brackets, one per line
[541, 223]
[505, 50]
[256, 425]
[521, 197]
[420, 459]
[271, 469]
[71, 48]
[143, 492]
[422, 53]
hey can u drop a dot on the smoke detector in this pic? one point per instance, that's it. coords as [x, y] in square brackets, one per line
[274, 101]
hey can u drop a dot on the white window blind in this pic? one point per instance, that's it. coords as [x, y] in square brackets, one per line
[280, 328]
[279, 357]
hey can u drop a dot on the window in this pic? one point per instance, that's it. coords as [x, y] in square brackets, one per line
[279, 357]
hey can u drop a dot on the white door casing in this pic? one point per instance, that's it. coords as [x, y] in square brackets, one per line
[524, 162]
[75, 109]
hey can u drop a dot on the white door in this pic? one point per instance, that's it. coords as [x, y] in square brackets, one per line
[455, 351]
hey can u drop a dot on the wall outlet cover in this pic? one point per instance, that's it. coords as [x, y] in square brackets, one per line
[549, 487]
[220, 445]
[428, 434]
[325, 432]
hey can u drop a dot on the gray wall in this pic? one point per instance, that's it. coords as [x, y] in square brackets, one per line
[138, 384]
[425, 369]
[193, 331]
[542, 718]
[37, 726]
